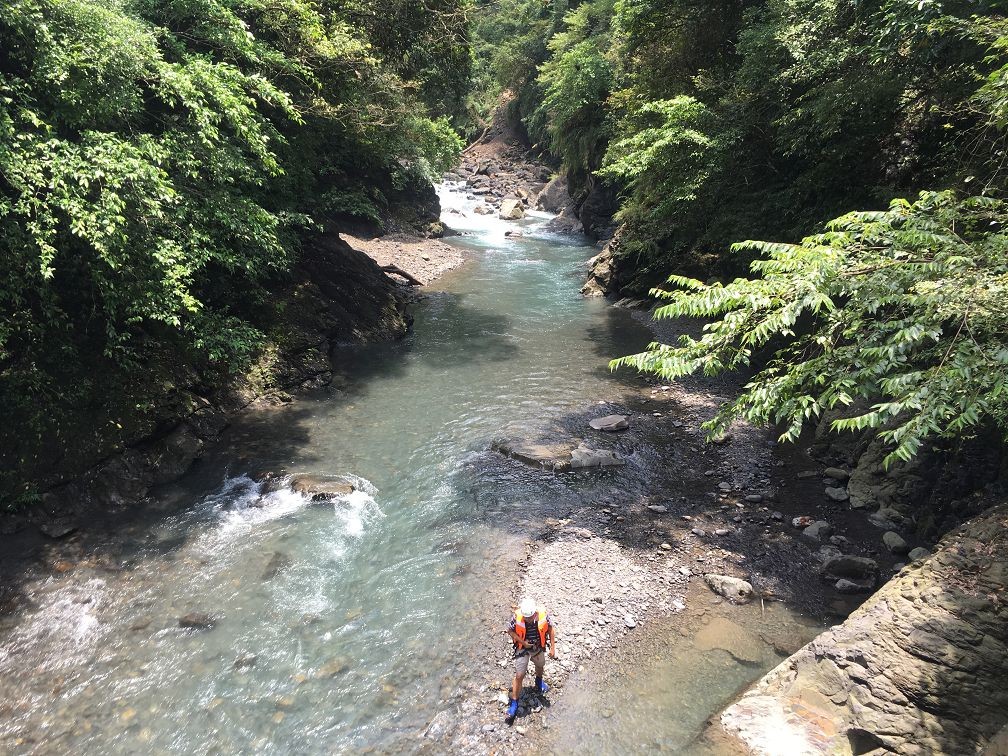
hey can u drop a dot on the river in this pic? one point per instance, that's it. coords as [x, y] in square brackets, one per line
[340, 626]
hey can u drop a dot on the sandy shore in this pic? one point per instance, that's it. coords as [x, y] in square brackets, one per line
[424, 259]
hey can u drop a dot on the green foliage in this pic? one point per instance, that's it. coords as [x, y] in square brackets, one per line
[161, 163]
[906, 308]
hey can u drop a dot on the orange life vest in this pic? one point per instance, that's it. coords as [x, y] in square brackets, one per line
[541, 622]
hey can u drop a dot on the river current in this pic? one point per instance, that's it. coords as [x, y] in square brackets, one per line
[340, 625]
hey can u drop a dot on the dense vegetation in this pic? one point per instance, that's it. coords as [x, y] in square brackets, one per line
[722, 121]
[161, 161]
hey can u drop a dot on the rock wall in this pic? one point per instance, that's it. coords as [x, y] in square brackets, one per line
[335, 295]
[919, 669]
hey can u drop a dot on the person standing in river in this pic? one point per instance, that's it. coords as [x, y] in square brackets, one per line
[531, 630]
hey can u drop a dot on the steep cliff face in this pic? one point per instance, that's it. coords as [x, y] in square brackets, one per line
[919, 669]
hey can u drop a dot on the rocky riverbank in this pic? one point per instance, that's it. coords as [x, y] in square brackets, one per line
[918, 669]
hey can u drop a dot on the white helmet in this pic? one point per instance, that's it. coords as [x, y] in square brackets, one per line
[527, 607]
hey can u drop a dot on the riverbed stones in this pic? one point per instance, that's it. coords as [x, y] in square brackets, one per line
[886, 518]
[734, 589]
[658, 508]
[919, 668]
[610, 423]
[512, 209]
[918, 554]
[894, 542]
[754, 498]
[320, 489]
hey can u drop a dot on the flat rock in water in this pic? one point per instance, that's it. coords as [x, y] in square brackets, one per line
[734, 589]
[547, 455]
[320, 489]
[610, 423]
[723, 634]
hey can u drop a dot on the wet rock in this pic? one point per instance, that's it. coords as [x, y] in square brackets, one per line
[725, 486]
[837, 494]
[320, 489]
[141, 623]
[659, 508]
[837, 474]
[547, 455]
[722, 532]
[734, 589]
[197, 621]
[818, 531]
[512, 209]
[918, 554]
[850, 567]
[754, 498]
[609, 423]
[894, 542]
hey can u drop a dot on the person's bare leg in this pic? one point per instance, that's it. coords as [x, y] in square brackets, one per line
[540, 664]
[516, 686]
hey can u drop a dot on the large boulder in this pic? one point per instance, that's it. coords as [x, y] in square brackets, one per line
[554, 197]
[918, 669]
[512, 209]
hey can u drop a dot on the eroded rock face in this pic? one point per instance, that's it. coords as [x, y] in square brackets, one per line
[919, 669]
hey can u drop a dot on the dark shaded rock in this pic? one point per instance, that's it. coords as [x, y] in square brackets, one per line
[851, 567]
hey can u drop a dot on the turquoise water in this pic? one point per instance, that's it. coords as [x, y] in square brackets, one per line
[362, 616]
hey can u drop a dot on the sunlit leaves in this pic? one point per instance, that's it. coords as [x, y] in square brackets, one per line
[905, 309]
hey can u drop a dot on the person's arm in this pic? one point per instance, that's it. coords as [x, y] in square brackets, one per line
[551, 637]
[516, 640]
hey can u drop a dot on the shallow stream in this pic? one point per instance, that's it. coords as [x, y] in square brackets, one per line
[347, 625]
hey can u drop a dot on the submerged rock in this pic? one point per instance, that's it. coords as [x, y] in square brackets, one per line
[919, 668]
[734, 589]
[197, 621]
